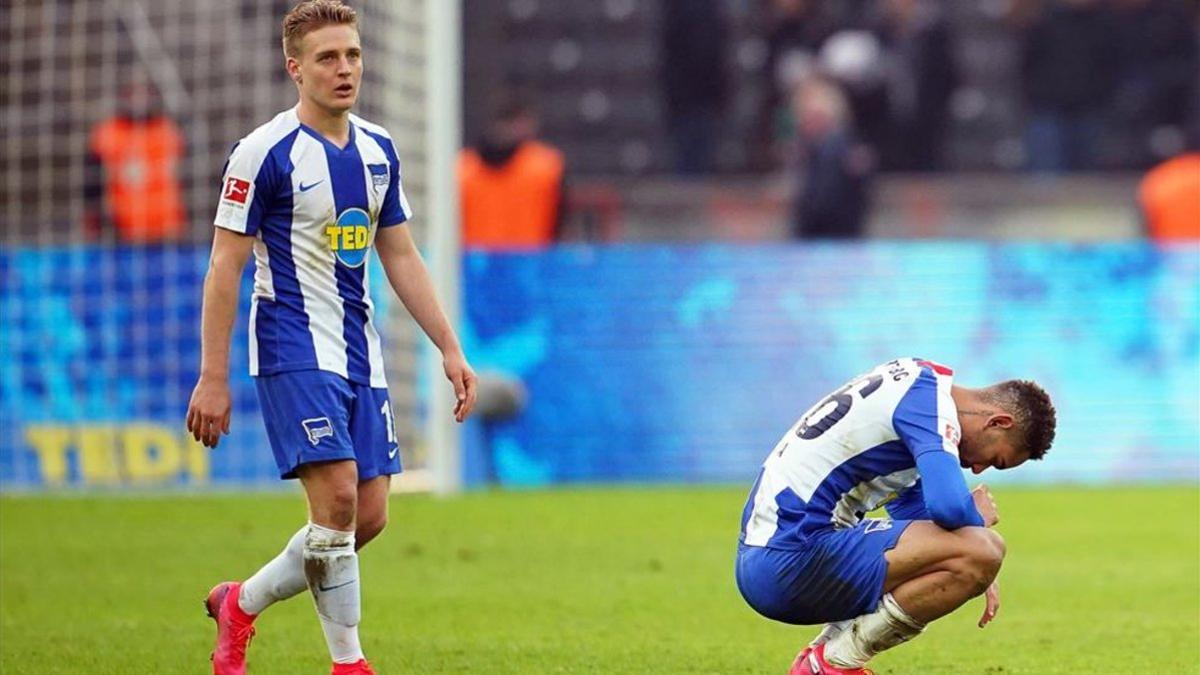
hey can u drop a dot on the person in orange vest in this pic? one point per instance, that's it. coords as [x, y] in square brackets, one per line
[1170, 199]
[133, 159]
[511, 184]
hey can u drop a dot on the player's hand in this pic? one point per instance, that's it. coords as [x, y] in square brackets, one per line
[459, 372]
[209, 411]
[993, 604]
[986, 505]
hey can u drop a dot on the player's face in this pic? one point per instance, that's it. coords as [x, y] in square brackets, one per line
[996, 453]
[329, 67]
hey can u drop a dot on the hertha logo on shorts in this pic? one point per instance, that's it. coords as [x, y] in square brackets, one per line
[317, 428]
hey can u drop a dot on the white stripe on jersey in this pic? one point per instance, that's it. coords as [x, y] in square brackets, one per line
[316, 269]
[867, 496]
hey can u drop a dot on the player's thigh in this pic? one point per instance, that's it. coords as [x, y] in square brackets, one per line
[925, 548]
[307, 416]
[332, 491]
[373, 433]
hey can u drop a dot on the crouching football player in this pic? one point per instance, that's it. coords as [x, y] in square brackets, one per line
[806, 554]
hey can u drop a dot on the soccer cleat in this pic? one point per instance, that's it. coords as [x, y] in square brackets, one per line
[812, 661]
[798, 664]
[359, 667]
[234, 629]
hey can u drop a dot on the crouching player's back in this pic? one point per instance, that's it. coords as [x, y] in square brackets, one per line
[897, 436]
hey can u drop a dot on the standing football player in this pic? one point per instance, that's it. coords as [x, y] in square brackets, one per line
[310, 193]
[903, 431]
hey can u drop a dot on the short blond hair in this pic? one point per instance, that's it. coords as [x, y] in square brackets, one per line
[310, 15]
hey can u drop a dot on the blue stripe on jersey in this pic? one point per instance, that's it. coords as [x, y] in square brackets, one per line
[880, 460]
[390, 212]
[350, 192]
[285, 316]
[916, 415]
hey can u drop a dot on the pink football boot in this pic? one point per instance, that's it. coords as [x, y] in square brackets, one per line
[234, 629]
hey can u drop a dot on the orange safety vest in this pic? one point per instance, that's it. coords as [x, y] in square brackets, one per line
[140, 182]
[1170, 197]
[514, 206]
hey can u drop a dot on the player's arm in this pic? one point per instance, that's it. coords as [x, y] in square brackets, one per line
[410, 280]
[918, 421]
[209, 410]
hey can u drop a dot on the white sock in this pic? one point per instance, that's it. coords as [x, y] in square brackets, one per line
[331, 567]
[830, 631]
[886, 627]
[279, 579]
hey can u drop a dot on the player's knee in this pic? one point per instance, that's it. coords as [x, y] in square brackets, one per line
[338, 508]
[369, 528]
[982, 558]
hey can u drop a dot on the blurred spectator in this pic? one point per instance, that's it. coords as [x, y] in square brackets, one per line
[1067, 66]
[1158, 71]
[854, 59]
[921, 76]
[1170, 199]
[132, 184]
[511, 184]
[832, 202]
[795, 31]
[694, 37]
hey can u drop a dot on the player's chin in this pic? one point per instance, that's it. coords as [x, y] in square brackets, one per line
[343, 101]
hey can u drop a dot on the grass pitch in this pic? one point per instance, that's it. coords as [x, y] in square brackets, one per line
[574, 581]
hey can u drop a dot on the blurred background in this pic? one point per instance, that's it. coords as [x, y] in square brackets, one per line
[665, 227]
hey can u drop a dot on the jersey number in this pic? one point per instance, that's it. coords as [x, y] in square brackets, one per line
[391, 421]
[844, 400]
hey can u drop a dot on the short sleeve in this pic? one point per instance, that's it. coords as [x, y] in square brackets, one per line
[246, 187]
[926, 419]
[395, 208]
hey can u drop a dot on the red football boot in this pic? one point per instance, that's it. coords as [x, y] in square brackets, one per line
[359, 667]
[234, 629]
[812, 662]
[798, 664]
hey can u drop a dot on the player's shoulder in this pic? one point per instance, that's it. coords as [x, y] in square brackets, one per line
[270, 134]
[370, 127]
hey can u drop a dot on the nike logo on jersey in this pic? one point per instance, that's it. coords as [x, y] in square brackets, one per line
[326, 589]
[306, 188]
[393, 451]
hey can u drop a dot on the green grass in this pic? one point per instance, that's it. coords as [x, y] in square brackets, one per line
[578, 581]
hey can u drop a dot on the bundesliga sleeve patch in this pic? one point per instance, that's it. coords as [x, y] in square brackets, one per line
[237, 191]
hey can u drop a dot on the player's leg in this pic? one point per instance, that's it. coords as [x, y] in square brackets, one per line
[330, 558]
[372, 429]
[931, 572]
[306, 420]
[372, 509]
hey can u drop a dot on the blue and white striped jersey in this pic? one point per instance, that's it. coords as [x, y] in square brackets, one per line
[853, 451]
[314, 208]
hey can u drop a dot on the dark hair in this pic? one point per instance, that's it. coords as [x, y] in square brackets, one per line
[1032, 410]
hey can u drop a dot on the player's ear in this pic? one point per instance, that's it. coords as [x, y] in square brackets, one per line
[293, 69]
[1000, 421]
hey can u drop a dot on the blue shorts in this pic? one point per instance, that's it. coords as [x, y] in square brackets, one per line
[838, 575]
[316, 416]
